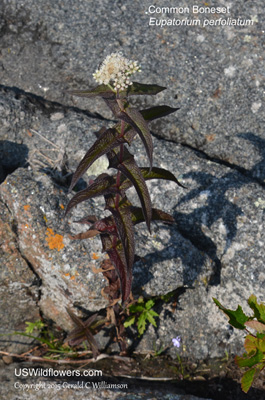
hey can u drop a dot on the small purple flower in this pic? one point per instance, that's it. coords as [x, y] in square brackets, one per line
[176, 341]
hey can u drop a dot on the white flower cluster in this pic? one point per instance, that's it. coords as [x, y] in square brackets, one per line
[116, 71]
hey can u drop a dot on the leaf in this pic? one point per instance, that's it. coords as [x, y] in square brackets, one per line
[89, 219]
[117, 257]
[84, 331]
[258, 326]
[149, 304]
[114, 105]
[135, 308]
[108, 139]
[150, 317]
[249, 361]
[247, 379]
[159, 173]
[156, 112]
[106, 225]
[259, 309]
[130, 169]
[129, 321]
[101, 185]
[250, 343]
[144, 89]
[133, 117]
[157, 215]
[141, 323]
[155, 173]
[105, 92]
[236, 318]
[85, 235]
[100, 90]
[261, 345]
[125, 229]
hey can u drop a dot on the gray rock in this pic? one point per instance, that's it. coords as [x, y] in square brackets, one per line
[215, 73]
[216, 248]
[18, 289]
[64, 266]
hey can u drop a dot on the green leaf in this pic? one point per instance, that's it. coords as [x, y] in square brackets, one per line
[103, 184]
[167, 297]
[157, 112]
[31, 326]
[149, 304]
[129, 321]
[236, 318]
[130, 169]
[249, 361]
[107, 140]
[150, 317]
[141, 323]
[247, 379]
[250, 343]
[144, 89]
[137, 308]
[134, 118]
[259, 309]
[39, 339]
[261, 345]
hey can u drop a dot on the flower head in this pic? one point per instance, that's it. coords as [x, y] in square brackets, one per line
[116, 70]
[176, 341]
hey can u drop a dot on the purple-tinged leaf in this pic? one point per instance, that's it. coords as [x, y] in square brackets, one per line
[123, 221]
[125, 229]
[115, 105]
[157, 215]
[130, 169]
[105, 92]
[159, 173]
[117, 257]
[85, 331]
[85, 235]
[100, 90]
[107, 140]
[106, 225]
[134, 118]
[156, 173]
[157, 112]
[144, 89]
[101, 185]
[89, 219]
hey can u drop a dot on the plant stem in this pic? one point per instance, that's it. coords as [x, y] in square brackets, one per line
[118, 179]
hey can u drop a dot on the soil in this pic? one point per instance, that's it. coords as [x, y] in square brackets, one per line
[214, 379]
